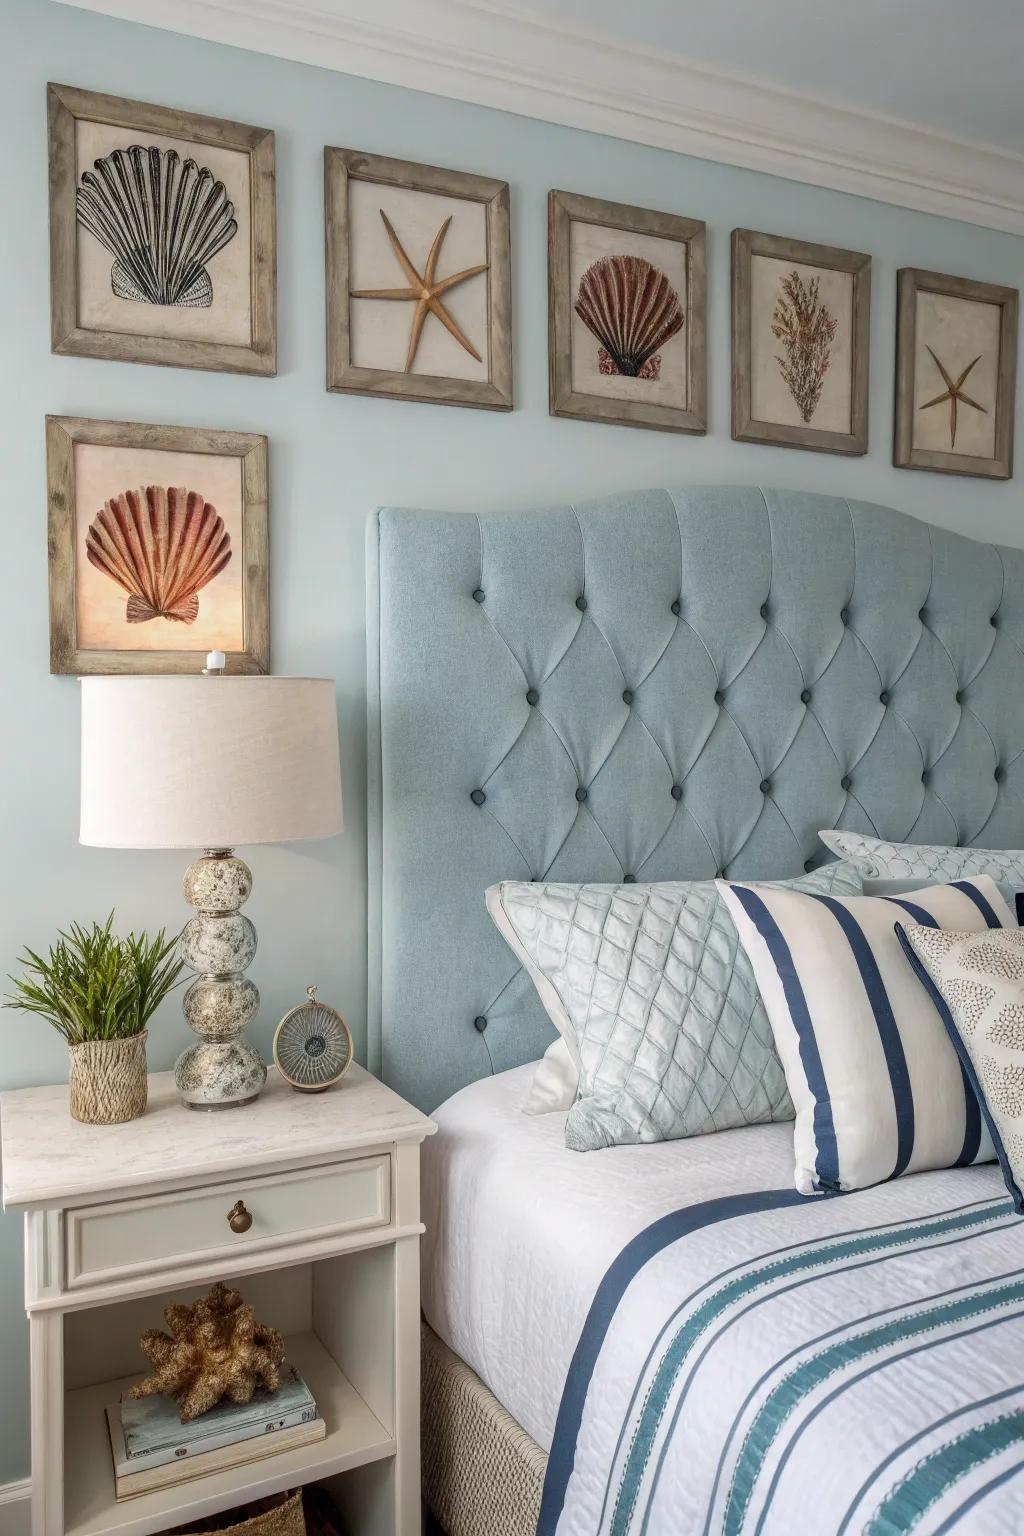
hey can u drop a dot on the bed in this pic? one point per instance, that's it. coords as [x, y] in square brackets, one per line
[538, 684]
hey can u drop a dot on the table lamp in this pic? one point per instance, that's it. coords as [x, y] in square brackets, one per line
[211, 762]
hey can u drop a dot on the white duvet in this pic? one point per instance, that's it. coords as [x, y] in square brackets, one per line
[520, 1231]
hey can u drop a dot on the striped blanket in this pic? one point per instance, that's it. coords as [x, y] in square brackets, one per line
[769, 1365]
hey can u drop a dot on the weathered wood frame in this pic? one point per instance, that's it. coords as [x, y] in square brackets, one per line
[65, 105]
[563, 209]
[748, 243]
[66, 655]
[911, 281]
[341, 165]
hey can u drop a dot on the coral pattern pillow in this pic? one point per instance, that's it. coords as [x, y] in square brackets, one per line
[976, 981]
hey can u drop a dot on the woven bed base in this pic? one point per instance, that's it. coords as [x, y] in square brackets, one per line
[483, 1475]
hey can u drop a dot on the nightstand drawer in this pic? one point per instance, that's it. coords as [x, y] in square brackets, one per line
[131, 1236]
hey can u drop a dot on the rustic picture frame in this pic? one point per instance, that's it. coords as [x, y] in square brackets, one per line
[565, 208]
[910, 282]
[748, 244]
[495, 393]
[66, 105]
[67, 656]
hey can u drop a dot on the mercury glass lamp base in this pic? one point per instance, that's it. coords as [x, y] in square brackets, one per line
[221, 1070]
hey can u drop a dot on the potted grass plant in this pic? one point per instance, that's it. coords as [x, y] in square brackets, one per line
[99, 991]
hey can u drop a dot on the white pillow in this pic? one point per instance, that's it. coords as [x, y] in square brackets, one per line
[556, 1079]
[877, 1085]
[929, 861]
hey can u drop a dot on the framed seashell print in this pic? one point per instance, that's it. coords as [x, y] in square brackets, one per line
[956, 374]
[800, 334]
[162, 235]
[157, 547]
[626, 315]
[419, 287]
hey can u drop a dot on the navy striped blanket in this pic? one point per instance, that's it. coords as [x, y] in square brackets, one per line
[769, 1365]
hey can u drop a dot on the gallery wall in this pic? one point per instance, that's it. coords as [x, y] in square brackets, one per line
[333, 458]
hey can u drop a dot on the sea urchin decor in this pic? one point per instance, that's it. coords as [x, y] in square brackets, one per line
[800, 331]
[162, 219]
[633, 282]
[161, 546]
[157, 547]
[162, 235]
[633, 310]
[215, 1349]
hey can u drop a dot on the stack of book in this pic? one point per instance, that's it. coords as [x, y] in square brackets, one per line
[153, 1449]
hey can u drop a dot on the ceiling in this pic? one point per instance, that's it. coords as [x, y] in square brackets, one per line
[952, 67]
[912, 102]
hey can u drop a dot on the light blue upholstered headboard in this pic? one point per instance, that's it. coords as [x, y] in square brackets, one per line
[658, 686]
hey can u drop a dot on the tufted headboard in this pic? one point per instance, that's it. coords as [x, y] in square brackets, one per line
[658, 686]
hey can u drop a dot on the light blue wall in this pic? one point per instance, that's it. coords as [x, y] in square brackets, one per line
[333, 458]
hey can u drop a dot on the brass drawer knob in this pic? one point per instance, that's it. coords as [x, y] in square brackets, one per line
[239, 1219]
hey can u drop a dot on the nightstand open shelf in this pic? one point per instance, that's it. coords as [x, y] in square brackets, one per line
[120, 1220]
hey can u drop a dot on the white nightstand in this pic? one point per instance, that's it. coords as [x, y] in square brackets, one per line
[120, 1219]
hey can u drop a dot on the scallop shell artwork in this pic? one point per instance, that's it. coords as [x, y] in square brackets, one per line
[632, 309]
[162, 219]
[162, 546]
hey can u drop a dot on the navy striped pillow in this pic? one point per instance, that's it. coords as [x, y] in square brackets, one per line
[877, 1086]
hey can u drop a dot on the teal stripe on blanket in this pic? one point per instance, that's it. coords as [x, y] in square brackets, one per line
[710, 1311]
[935, 1474]
[784, 1399]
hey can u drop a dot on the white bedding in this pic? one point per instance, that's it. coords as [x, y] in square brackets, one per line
[520, 1231]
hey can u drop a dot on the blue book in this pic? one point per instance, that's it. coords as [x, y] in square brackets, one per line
[153, 1431]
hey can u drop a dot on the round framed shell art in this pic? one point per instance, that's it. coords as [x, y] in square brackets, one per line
[312, 1046]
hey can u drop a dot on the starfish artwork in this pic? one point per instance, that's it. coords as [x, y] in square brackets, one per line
[425, 291]
[954, 393]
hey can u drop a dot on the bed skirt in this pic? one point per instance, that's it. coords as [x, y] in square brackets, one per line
[483, 1475]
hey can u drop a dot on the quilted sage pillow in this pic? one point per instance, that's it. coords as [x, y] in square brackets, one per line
[879, 860]
[656, 1000]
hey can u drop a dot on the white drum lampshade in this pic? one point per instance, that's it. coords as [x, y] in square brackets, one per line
[212, 763]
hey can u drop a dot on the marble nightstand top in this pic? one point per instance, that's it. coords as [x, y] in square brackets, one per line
[50, 1159]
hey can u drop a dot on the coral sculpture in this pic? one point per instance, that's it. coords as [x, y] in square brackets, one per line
[215, 1349]
[806, 330]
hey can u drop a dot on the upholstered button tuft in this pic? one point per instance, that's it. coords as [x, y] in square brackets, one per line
[883, 697]
[805, 697]
[581, 603]
[478, 595]
[844, 782]
[925, 776]
[719, 696]
[959, 695]
[719, 874]
[922, 614]
[765, 786]
[1000, 774]
[764, 610]
[844, 614]
[629, 879]
[480, 1023]
[677, 791]
[478, 797]
[994, 621]
[808, 866]
[627, 695]
[532, 696]
[677, 607]
[581, 794]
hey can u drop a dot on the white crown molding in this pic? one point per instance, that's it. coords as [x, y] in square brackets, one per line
[480, 51]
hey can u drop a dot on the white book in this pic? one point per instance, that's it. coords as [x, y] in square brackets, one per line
[183, 1469]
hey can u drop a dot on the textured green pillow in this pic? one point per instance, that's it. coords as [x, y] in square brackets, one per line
[656, 1000]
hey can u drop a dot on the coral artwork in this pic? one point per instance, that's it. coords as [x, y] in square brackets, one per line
[632, 309]
[160, 546]
[215, 1349]
[806, 328]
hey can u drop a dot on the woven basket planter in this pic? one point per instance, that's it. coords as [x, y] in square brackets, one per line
[107, 1080]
